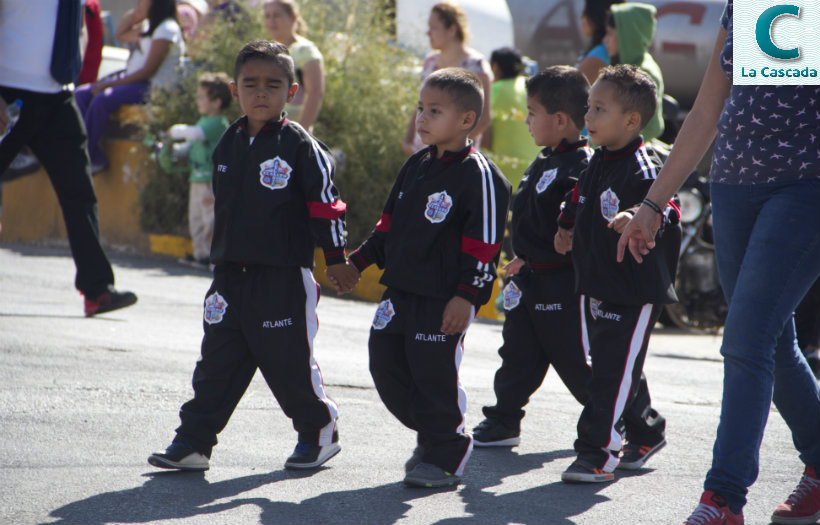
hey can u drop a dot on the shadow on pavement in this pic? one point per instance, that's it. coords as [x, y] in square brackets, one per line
[554, 502]
[179, 495]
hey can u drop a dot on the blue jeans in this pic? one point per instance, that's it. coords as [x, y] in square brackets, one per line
[767, 240]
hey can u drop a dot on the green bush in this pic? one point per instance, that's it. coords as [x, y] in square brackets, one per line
[370, 93]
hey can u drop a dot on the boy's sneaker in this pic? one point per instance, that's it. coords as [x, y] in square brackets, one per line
[583, 472]
[415, 459]
[713, 510]
[634, 456]
[803, 506]
[308, 455]
[492, 433]
[107, 301]
[179, 456]
[426, 475]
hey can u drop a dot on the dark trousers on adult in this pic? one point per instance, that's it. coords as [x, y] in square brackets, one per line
[415, 369]
[618, 340]
[544, 325]
[51, 126]
[258, 317]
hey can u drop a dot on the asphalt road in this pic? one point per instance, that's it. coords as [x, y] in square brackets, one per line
[83, 402]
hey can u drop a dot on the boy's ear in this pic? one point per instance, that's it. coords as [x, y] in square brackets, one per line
[561, 119]
[292, 91]
[633, 122]
[468, 120]
[234, 92]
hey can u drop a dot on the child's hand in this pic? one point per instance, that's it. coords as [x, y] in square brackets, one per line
[456, 316]
[563, 241]
[514, 266]
[343, 277]
[619, 222]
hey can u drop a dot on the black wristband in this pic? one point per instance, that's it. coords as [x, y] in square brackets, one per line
[653, 206]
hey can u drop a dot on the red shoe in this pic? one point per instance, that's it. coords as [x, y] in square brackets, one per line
[713, 510]
[803, 506]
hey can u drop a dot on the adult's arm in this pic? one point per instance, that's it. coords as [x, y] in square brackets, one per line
[313, 78]
[156, 55]
[696, 134]
[130, 27]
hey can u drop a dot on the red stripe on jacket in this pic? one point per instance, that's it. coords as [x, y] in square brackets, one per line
[480, 250]
[384, 223]
[324, 210]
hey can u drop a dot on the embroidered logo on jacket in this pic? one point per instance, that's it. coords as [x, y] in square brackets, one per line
[274, 173]
[215, 306]
[384, 314]
[438, 206]
[546, 179]
[609, 204]
[512, 296]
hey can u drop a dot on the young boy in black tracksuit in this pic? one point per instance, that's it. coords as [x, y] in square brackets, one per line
[275, 198]
[438, 242]
[622, 301]
[542, 324]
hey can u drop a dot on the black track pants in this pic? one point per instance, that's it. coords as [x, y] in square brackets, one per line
[618, 340]
[415, 369]
[258, 317]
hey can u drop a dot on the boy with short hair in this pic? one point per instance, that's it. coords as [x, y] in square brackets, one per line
[438, 241]
[275, 199]
[542, 324]
[213, 96]
[622, 301]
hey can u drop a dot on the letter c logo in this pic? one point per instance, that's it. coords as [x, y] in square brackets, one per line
[763, 31]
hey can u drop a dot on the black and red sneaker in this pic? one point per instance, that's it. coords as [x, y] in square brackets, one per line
[107, 301]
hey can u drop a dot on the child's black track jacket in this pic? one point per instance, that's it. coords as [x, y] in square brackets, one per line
[442, 225]
[617, 181]
[275, 198]
[537, 202]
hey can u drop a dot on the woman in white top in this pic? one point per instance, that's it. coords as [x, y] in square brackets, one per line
[286, 26]
[448, 32]
[153, 27]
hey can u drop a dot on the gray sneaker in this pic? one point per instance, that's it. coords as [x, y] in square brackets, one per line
[427, 475]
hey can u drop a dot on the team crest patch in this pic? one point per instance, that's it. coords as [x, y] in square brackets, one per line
[384, 314]
[215, 306]
[609, 204]
[594, 307]
[546, 179]
[512, 296]
[274, 173]
[438, 206]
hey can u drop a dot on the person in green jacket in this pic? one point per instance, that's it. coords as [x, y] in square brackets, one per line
[213, 97]
[630, 29]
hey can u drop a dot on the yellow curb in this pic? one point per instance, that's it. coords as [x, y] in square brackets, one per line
[173, 245]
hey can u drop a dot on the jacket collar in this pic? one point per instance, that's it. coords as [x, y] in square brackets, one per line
[629, 149]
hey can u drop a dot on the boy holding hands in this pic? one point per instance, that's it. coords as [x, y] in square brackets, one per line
[438, 241]
[275, 198]
[622, 301]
